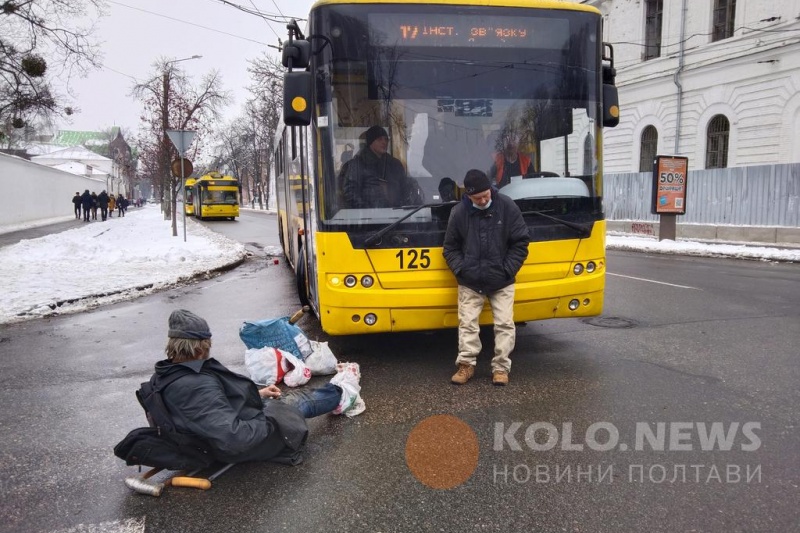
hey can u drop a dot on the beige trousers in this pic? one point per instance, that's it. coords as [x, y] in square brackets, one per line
[470, 305]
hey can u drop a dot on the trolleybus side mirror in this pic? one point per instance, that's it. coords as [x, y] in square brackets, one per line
[296, 54]
[610, 95]
[297, 98]
[610, 106]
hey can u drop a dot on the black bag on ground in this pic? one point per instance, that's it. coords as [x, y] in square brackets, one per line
[161, 445]
[149, 447]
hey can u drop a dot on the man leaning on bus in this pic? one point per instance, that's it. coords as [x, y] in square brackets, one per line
[374, 178]
[485, 245]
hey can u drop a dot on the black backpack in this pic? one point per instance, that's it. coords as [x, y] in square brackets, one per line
[161, 445]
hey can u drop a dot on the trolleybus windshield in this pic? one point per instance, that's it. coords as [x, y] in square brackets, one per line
[456, 92]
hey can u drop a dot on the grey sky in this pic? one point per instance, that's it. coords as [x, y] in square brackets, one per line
[135, 33]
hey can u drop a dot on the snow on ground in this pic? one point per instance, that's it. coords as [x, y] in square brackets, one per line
[123, 258]
[702, 249]
[105, 262]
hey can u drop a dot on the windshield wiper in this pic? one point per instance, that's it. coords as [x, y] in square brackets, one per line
[414, 209]
[583, 231]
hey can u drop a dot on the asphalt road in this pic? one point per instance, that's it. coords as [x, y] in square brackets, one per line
[677, 411]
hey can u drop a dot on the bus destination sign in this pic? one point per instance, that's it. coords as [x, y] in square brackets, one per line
[467, 31]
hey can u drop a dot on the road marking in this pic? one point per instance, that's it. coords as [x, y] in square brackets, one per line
[130, 525]
[654, 281]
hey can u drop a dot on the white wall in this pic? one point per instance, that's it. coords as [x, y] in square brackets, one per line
[35, 192]
[753, 78]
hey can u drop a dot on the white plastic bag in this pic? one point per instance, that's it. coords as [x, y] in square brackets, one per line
[264, 365]
[348, 377]
[296, 371]
[321, 362]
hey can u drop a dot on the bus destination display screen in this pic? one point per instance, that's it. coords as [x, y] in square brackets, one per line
[453, 30]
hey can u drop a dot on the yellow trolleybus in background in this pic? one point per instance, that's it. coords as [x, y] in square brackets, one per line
[450, 83]
[188, 196]
[216, 196]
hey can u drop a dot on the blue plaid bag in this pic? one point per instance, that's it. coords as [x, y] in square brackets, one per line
[276, 333]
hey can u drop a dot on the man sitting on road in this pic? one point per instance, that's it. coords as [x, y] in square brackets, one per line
[228, 411]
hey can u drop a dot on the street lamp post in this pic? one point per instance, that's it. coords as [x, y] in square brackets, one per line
[165, 139]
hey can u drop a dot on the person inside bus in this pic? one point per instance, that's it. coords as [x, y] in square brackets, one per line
[374, 178]
[347, 154]
[509, 162]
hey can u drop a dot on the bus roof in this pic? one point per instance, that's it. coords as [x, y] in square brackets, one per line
[215, 176]
[540, 4]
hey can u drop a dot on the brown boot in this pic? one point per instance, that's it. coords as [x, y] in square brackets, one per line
[464, 373]
[500, 378]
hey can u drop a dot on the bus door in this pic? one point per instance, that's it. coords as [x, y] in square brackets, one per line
[308, 211]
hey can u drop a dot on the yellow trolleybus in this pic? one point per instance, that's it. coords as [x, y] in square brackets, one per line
[453, 83]
[188, 196]
[216, 196]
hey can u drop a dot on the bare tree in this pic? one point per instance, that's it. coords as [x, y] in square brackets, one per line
[33, 35]
[262, 118]
[171, 102]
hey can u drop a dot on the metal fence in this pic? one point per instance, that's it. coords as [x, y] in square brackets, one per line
[767, 195]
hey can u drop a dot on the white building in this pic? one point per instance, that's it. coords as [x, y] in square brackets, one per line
[81, 161]
[717, 81]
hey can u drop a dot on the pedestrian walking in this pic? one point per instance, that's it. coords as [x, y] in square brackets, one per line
[112, 204]
[94, 206]
[86, 204]
[102, 203]
[76, 201]
[122, 205]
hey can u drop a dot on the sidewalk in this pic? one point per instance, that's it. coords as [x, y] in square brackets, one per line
[74, 265]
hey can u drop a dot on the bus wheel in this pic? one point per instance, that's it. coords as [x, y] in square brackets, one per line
[302, 277]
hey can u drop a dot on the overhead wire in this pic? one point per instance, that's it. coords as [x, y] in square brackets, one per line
[182, 21]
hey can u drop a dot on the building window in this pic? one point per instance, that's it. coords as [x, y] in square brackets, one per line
[717, 142]
[648, 147]
[652, 28]
[724, 15]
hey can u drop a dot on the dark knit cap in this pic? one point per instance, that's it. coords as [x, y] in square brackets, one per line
[184, 324]
[476, 182]
[375, 132]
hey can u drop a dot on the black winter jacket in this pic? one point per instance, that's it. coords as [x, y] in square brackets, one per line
[485, 249]
[225, 410]
[372, 181]
[86, 199]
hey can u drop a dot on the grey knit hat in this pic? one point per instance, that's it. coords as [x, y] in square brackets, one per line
[184, 324]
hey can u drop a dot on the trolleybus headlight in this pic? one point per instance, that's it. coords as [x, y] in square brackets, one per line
[573, 305]
[334, 281]
[586, 301]
[367, 281]
[370, 319]
[590, 267]
[350, 281]
[578, 269]
[356, 318]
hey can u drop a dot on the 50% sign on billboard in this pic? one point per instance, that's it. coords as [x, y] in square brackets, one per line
[669, 185]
